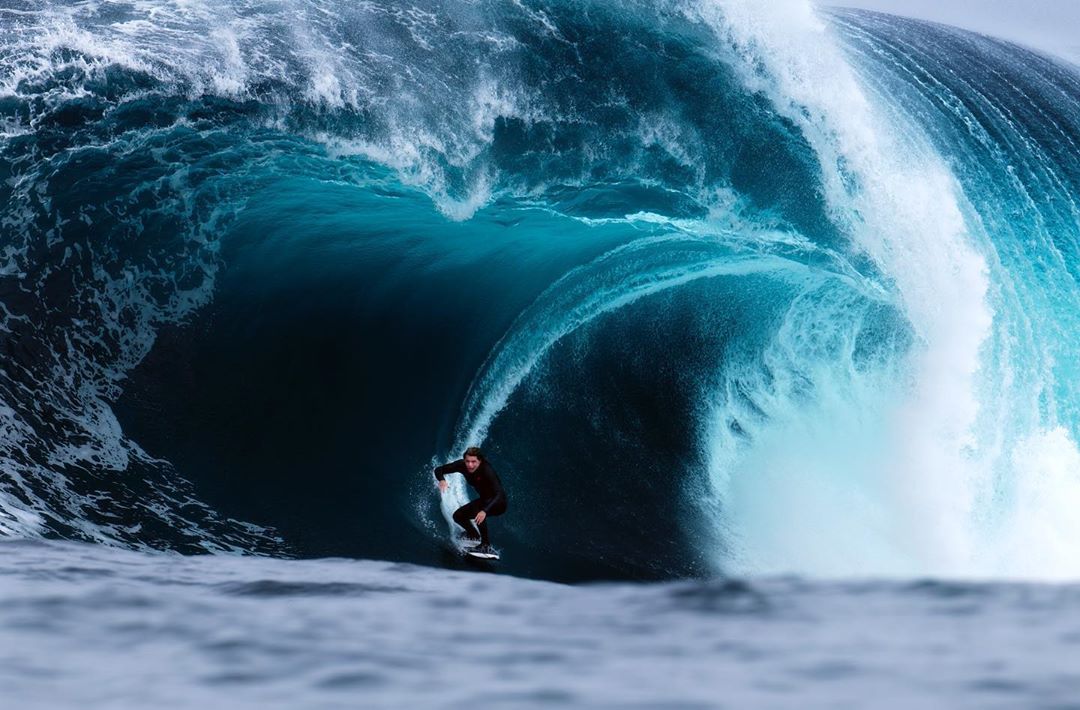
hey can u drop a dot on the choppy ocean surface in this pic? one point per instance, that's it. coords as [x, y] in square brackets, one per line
[90, 627]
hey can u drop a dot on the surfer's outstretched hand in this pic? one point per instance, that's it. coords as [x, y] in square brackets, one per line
[443, 485]
[480, 517]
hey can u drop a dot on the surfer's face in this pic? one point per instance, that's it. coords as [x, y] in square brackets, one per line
[472, 463]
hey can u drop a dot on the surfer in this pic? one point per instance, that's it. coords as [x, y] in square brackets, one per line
[492, 501]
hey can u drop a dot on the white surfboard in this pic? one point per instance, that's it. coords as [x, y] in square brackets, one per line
[489, 554]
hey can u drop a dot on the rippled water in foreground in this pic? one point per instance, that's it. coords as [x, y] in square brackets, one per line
[90, 627]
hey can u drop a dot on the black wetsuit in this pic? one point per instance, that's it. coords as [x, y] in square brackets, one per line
[492, 498]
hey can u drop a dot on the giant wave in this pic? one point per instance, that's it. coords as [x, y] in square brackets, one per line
[720, 286]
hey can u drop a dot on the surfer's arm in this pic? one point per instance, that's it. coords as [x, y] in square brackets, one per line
[495, 500]
[452, 467]
[499, 496]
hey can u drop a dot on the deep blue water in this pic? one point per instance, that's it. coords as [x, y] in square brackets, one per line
[726, 291]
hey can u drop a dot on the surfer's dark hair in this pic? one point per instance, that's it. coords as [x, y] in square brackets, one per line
[473, 451]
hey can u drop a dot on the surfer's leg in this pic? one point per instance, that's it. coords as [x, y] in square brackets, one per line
[464, 515]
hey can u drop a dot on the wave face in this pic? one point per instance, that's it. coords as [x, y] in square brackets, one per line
[718, 287]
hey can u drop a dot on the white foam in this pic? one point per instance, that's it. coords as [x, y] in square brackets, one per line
[899, 204]
[922, 501]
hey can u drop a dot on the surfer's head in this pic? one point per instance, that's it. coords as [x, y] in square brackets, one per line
[473, 456]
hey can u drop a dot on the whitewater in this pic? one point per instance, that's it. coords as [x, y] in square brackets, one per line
[766, 314]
